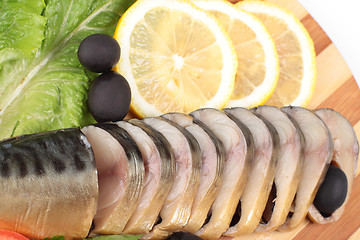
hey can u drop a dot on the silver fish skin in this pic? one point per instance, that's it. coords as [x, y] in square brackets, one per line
[289, 165]
[319, 147]
[48, 184]
[345, 156]
[176, 210]
[238, 143]
[262, 173]
[120, 172]
[159, 175]
[213, 161]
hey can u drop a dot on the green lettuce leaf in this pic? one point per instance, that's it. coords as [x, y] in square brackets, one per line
[49, 90]
[21, 25]
[55, 238]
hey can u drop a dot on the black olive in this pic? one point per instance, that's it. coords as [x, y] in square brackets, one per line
[109, 97]
[99, 53]
[183, 236]
[332, 192]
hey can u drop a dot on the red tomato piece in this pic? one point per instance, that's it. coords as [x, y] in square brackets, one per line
[10, 235]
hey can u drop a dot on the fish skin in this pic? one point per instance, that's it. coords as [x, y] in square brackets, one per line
[177, 207]
[120, 214]
[345, 156]
[262, 173]
[213, 161]
[318, 154]
[159, 175]
[48, 184]
[239, 153]
[290, 162]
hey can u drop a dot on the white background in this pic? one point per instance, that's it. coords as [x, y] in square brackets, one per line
[341, 22]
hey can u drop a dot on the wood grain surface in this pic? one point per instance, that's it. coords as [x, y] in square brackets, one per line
[335, 88]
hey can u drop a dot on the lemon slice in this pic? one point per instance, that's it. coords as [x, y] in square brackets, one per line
[296, 53]
[258, 68]
[175, 56]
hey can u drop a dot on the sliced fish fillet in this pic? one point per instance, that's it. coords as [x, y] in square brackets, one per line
[213, 159]
[318, 154]
[289, 165]
[238, 144]
[159, 175]
[345, 156]
[262, 173]
[176, 210]
[120, 173]
[210, 173]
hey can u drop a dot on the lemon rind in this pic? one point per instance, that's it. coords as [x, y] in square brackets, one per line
[308, 80]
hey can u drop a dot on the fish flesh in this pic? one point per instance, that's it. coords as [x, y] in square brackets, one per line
[48, 184]
[262, 173]
[159, 175]
[239, 148]
[210, 172]
[213, 158]
[318, 154]
[120, 171]
[177, 207]
[345, 156]
[288, 168]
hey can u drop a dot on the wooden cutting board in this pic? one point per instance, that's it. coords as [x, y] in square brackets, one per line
[335, 88]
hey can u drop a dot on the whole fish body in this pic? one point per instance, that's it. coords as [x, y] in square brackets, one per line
[210, 172]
